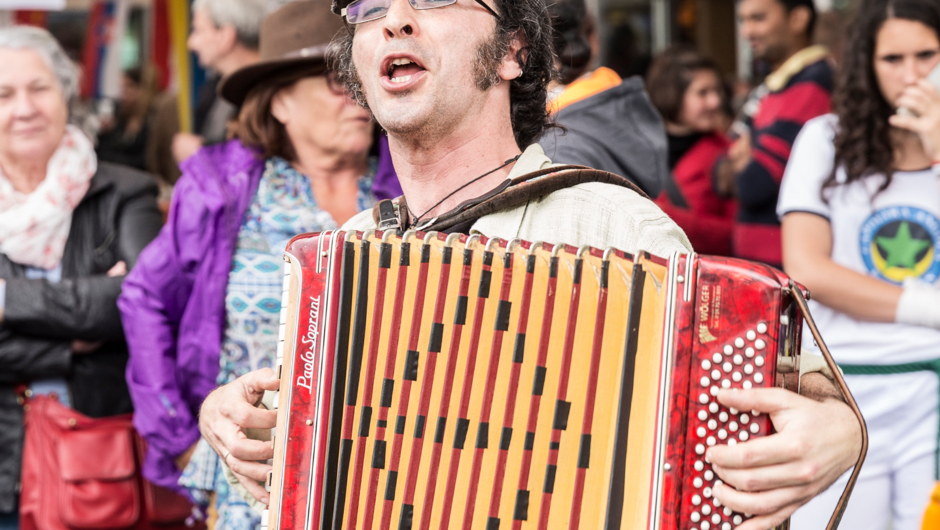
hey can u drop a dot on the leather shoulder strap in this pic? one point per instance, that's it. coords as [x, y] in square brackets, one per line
[528, 187]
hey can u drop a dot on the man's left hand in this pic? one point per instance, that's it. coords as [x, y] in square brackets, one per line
[774, 475]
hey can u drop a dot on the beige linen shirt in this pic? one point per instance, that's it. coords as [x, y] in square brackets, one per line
[597, 214]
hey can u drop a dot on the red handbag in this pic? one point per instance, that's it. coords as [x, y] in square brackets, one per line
[81, 473]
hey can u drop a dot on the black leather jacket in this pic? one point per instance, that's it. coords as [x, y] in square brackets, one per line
[114, 222]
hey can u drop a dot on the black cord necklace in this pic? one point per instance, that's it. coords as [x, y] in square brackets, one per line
[416, 219]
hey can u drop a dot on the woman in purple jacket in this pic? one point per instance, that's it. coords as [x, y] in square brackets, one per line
[202, 306]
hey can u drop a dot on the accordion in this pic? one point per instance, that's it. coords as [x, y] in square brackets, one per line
[435, 381]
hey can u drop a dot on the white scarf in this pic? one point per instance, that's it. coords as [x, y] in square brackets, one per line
[34, 227]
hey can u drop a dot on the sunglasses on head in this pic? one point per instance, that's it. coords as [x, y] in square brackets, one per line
[367, 10]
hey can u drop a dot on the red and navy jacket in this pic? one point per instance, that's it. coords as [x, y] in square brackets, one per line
[806, 95]
[707, 219]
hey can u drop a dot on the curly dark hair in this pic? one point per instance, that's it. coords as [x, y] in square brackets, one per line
[528, 96]
[863, 141]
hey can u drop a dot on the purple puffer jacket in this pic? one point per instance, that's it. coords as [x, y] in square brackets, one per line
[173, 302]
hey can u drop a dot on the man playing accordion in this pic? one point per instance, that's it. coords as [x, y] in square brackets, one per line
[461, 92]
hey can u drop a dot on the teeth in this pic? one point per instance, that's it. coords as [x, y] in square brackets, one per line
[400, 62]
[401, 79]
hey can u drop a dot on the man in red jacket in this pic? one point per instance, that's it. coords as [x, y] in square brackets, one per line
[799, 89]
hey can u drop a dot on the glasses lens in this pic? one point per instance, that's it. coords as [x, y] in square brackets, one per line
[431, 4]
[365, 10]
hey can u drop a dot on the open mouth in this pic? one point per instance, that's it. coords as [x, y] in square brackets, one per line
[401, 70]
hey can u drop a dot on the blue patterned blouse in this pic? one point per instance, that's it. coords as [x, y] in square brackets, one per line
[283, 207]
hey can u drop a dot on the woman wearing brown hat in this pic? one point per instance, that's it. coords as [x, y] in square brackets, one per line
[202, 307]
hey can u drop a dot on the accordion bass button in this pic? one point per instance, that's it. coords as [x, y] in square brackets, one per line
[749, 352]
[755, 428]
[709, 475]
[695, 517]
[748, 369]
[729, 350]
[701, 432]
[733, 426]
[699, 465]
[722, 434]
[737, 519]
[762, 328]
[744, 436]
[706, 525]
[712, 425]
[696, 500]
[727, 511]
[716, 374]
[706, 364]
[737, 359]
[717, 358]
[700, 449]
[702, 415]
[760, 344]
[697, 482]
[716, 519]
[759, 361]
[703, 399]
[723, 417]
[739, 342]
[706, 381]
[713, 408]
[758, 378]
[711, 441]
[726, 384]
[747, 385]
[751, 336]
[727, 367]
[736, 377]
[726, 526]
[732, 442]
[745, 419]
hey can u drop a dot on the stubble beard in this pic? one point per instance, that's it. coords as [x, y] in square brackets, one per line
[440, 112]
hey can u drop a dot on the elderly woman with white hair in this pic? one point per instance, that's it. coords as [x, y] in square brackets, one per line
[70, 229]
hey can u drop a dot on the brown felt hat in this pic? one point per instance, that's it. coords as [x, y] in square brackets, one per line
[294, 38]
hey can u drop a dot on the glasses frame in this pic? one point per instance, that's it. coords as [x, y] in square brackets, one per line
[349, 24]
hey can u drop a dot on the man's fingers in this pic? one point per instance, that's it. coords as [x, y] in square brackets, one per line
[768, 400]
[768, 477]
[763, 503]
[247, 449]
[256, 490]
[255, 383]
[254, 470]
[765, 451]
[247, 416]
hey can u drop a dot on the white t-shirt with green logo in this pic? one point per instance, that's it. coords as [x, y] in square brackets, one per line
[890, 236]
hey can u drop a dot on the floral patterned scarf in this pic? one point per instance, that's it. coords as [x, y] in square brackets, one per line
[34, 227]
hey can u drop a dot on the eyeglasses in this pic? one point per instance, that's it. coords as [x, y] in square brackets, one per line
[367, 10]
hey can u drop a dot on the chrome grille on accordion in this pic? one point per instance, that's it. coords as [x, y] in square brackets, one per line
[407, 361]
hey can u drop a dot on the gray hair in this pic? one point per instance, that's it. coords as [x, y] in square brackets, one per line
[43, 43]
[243, 15]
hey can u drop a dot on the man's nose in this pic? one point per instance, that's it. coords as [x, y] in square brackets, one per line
[400, 21]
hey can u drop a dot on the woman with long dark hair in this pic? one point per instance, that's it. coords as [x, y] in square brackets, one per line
[860, 204]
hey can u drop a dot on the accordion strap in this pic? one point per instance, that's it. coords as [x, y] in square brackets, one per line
[850, 401]
[511, 194]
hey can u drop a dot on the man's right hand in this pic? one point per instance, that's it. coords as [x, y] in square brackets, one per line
[225, 415]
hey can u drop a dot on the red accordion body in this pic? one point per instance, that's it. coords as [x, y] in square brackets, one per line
[430, 381]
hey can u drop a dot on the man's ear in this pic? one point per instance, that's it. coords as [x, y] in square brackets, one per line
[511, 68]
[799, 20]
